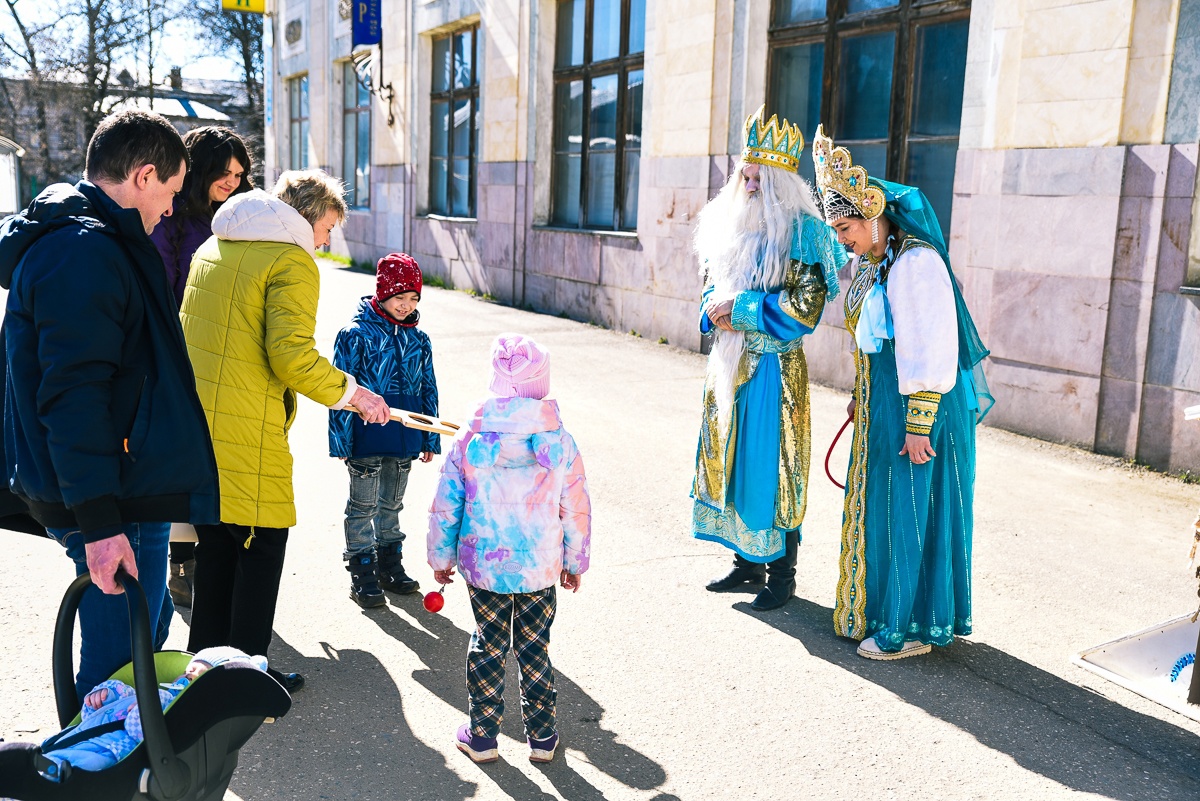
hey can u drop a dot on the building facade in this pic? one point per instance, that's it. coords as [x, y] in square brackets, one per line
[554, 154]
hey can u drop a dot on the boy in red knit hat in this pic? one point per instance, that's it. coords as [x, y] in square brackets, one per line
[385, 351]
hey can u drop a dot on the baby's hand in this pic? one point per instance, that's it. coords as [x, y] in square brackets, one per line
[570, 581]
[443, 576]
[95, 700]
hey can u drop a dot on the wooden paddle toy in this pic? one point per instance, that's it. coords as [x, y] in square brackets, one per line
[420, 421]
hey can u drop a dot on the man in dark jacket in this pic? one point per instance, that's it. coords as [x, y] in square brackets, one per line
[105, 440]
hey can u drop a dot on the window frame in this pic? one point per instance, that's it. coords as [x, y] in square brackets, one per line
[351, 181]
[298, 83]
[450, 96]
[837, 25]
[621, 66]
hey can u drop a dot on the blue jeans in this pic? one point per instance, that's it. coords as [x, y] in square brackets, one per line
[377, 485]
[104, 619]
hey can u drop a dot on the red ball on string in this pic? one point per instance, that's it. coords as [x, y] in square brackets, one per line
[434, 601]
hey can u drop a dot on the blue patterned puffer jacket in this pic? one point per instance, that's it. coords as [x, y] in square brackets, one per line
[395, 362]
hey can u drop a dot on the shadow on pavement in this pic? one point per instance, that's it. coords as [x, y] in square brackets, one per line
[443, 648]
[359, 745]
[1047, 725]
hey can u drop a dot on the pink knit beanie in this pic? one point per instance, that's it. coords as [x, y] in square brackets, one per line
[520, 367]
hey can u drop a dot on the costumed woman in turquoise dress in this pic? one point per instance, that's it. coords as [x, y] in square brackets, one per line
[768, 262]
[904, 580]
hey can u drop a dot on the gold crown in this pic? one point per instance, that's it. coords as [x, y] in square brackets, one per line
[772, 143]
[837, 173]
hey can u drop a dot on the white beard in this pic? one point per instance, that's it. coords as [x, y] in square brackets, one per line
[744, 243]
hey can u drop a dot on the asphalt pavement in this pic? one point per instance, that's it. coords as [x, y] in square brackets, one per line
[667, 691]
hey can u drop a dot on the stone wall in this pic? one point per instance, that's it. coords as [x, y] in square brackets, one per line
[1071, 261]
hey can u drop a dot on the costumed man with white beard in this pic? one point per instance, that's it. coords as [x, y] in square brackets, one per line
[769, 264]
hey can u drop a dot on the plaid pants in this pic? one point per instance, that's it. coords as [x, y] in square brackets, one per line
[524, 620]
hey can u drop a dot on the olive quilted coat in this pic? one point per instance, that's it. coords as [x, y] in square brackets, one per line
[249, 312]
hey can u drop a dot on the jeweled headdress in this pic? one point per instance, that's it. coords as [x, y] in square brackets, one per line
[843, 186]
[772, 143]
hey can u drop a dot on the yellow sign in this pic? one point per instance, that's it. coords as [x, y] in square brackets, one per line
[249, 6]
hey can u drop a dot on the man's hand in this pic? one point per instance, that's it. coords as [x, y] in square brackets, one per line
[851, 406]
[443, 576]
[371, 408]
[570, 581]
[426, 456]
[918, 448]
[720, 311]
[105, 557]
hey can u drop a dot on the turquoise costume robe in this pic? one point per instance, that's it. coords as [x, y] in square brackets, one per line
[905, 564]
[752, 475]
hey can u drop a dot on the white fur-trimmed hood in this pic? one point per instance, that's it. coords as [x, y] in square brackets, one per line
[257, 216]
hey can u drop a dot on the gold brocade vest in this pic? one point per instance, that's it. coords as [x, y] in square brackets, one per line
[804, 300]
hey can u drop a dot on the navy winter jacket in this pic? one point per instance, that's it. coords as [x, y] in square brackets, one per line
[102, 424]
[393, 361]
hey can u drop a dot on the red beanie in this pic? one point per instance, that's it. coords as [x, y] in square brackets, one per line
[396, 273]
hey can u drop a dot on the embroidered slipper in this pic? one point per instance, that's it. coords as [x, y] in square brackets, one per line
[869, 649]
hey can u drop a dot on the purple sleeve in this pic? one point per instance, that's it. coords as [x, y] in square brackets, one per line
[162, 237]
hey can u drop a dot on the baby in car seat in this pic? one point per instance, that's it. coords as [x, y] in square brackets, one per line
[112, 701]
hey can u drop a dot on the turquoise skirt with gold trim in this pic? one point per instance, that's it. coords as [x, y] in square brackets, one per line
[914, 522]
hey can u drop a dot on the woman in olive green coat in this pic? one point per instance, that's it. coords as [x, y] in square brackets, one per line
[249, 313]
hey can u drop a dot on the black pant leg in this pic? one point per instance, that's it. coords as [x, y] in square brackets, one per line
[212, 586]
[182, 551]
[256, 587]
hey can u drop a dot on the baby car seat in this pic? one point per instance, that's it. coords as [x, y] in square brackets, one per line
[190, 750]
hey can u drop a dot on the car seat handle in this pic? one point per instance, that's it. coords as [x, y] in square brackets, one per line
[169, 774]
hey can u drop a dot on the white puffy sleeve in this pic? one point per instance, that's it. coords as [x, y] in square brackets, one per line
[925, 322]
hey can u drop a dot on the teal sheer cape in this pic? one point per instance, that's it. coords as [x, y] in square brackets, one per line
[909, 209]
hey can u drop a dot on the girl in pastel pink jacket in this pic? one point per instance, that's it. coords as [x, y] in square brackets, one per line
[512, 512]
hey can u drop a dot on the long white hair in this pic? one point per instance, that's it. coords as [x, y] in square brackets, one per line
[743, 242]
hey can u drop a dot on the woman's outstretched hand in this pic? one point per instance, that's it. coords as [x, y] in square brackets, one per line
[371, 408]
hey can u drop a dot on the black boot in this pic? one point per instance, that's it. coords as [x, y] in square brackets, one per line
[364, 582]
[391, 571]
[744, 572]
[292, 682]
[781, 577]
[179, 582]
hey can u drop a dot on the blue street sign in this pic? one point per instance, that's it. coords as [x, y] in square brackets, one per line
[365, 23]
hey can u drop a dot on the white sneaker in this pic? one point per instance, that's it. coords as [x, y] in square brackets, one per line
[870, 650]
[542, 751]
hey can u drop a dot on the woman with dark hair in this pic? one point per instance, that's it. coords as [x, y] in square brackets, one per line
[905, 568]
[220, 169]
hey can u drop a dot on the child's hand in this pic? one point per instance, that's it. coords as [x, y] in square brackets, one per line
[443, 576]
[570, 581]
[426, 456]
[95, 700]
